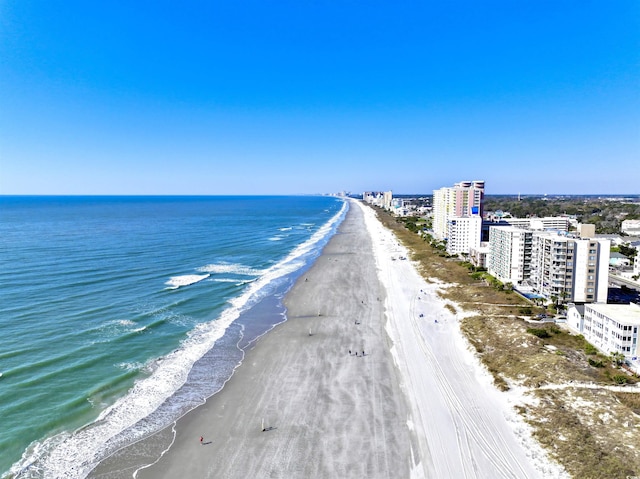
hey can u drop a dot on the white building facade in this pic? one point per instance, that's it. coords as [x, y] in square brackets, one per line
[630, 227]
[509, 258]
[609, 327]
[463, 234]
[555, 223]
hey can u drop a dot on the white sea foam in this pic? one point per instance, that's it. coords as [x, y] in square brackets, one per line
[131, 366]
[289, 228]
[74, 455]
[276, 238]
[236, 281]
[230, 268]
[185, 280]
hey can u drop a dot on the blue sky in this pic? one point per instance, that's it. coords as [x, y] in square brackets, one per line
[288, 97]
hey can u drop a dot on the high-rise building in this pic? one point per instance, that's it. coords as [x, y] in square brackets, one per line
[509, 258]
[464, 199]
[463, 234]
[571, 269]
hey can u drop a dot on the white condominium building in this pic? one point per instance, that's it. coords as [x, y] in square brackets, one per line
[571, 269]
[509, 258]
[463, 234]
[463, 199]
[557, 223]
[609, 327]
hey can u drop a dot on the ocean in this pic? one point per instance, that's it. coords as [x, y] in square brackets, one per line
[120, 314]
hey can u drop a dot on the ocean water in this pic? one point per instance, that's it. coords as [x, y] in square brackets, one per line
[120, 314]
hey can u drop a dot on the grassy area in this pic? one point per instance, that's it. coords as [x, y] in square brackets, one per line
[593, 433]
[588, 431]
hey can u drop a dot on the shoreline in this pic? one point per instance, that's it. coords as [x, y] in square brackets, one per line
[305, 387]
[417, 404]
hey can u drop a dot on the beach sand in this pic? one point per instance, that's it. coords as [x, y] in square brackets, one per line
[333, 414]
[416, 405]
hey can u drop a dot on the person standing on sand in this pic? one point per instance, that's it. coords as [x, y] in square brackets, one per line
[201, 439]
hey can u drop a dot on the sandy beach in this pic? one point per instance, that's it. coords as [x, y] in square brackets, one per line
[368, 377]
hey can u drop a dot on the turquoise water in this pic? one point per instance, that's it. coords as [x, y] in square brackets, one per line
[118, 314]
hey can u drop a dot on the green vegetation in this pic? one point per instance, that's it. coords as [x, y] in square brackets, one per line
[539, 332]
[590, 348]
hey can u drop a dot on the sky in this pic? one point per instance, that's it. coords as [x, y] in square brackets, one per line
[311, 96]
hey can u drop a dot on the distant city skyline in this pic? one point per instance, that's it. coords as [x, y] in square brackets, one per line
[319, 97]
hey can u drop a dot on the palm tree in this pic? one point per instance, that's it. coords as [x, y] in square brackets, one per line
[617, 358]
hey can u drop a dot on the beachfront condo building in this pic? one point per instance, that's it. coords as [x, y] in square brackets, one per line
[609, 327]
[463, 234]
[509, 258]
[464, 199]
[570, 269]
[457, 215]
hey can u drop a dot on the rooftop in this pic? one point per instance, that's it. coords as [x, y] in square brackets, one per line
[620, 312]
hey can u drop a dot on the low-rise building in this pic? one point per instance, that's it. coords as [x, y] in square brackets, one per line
[479, 256]
[618, 259]
[555, 223]
[609, 327]
[630, 227]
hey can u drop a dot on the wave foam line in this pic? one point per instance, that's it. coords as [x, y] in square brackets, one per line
[230, 268]
[177, 281]
[74, 455]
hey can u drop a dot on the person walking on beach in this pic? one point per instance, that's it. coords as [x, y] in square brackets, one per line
[201, 439]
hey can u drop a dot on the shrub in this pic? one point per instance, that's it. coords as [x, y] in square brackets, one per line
[596, 363]
[620, 379]
[590, 348]
[540, 332]
[525, 311]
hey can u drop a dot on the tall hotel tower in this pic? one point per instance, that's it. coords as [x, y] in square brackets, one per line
[463, 200]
